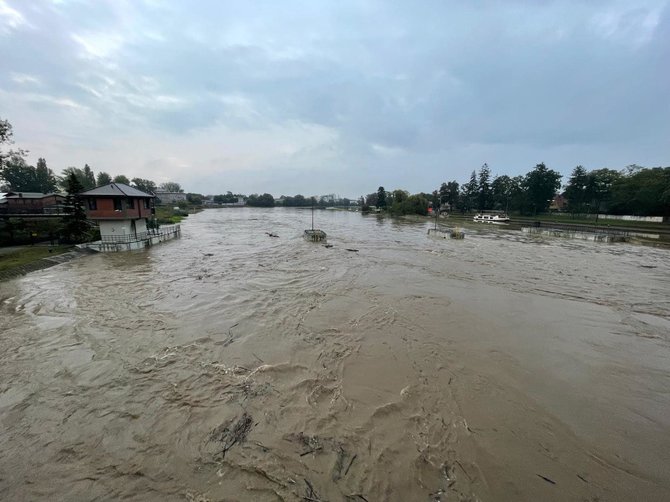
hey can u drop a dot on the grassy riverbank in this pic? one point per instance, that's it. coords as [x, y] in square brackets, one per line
[22, 260]
[167, 215]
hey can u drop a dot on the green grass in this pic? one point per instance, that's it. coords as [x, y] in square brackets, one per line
[29, 254]
[166, 215]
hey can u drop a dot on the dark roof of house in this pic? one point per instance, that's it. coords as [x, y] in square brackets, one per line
[116, 190]
[30, 195]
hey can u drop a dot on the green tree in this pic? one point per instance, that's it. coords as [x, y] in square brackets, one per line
[78, 173]
[541, 185]
[75, 226]
[644, 192]
[171, 186]
[443, 193]
[469, 193]
[399, 196]
[146, 186]
[449, 195]
[120, 178]
[484, 188]
[103, 178]
[89, 177]
[265, 200]
[501, 192]
[576, 190]
[46, 180]
[381, 198]
[518, 199]
[228, 198]
[371, 199]
[599, 188]
[403, 203]
[194, 199]
[5, 131]
[18, 175]
[6, 134]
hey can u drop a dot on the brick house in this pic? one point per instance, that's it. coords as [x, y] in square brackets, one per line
[32, 202]
[121, 211]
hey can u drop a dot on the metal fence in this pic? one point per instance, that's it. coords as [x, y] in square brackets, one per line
[164, 231]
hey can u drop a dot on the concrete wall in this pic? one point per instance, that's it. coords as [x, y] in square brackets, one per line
[628, 217]
[116, 227]
[141, 225]
[623, 217]
[151, 240]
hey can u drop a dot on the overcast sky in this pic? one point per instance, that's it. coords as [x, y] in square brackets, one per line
[342, 96]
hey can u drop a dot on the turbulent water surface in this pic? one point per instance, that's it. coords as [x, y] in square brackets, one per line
[230, 365]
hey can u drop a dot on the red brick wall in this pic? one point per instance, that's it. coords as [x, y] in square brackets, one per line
[105, 209]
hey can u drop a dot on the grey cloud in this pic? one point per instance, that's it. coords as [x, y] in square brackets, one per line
[425, 80]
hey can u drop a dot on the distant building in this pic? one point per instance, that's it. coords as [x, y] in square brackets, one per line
[328, 199]
[558, 203]
[167, 198]
[240, 202]
[32, 203]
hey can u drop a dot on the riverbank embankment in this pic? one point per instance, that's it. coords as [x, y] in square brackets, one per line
[21, 260]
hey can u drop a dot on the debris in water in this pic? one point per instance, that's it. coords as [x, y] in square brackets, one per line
[230, 434]
[346, 471]
[352, 250]
[270, 234]
[327, 245]
[310, 451]
[547, 479]
[339, 464]
[310, 493]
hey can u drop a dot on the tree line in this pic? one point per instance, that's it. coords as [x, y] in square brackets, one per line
[398, 202]
[17, 175]
[635, 190]
[267, 200]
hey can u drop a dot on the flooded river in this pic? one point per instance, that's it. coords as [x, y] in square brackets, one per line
[229, 365]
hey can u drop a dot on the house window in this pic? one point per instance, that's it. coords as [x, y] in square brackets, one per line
[131, 203]
[92, 204]
[117, 205]
[147, 204]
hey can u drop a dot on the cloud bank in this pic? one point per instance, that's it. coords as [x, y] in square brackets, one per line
[320, 97]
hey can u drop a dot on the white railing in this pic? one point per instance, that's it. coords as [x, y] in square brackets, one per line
[164, 231]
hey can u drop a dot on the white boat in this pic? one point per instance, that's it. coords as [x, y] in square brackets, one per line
[491, 218]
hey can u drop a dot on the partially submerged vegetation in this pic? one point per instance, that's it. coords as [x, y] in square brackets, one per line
[27, 259]
[166, 215]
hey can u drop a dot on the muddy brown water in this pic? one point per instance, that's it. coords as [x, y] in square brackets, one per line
[228, 365]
